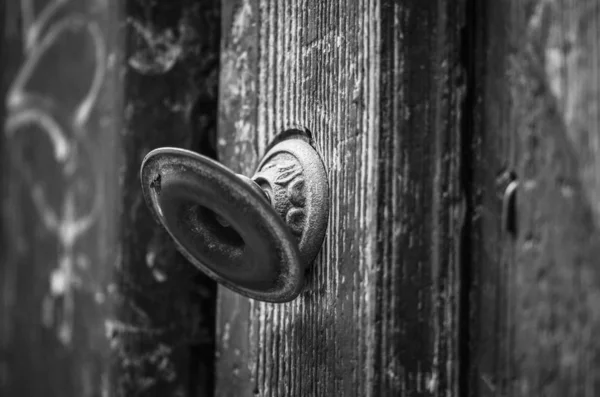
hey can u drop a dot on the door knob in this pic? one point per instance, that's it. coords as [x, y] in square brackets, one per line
[256, 235]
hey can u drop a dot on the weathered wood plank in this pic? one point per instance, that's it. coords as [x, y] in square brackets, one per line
[380, 85]
[95, 300]
[537, 296]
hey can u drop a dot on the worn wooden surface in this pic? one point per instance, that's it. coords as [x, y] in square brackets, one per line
[535, 317]
[381, 85]
[94, 299]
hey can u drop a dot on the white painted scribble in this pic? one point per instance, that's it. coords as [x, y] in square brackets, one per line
[66, 144]
[157, 51]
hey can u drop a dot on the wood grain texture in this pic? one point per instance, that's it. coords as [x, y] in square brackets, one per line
[536, 297]
[94, 299]
[381, 85]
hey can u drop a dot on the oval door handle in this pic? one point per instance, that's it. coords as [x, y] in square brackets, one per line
[256, 235]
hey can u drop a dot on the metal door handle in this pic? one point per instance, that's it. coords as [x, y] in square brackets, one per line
[255, 235]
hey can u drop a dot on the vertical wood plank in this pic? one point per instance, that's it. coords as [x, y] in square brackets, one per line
[381, 86]
[537, 295]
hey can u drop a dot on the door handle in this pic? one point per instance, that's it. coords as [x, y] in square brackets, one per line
[256, 236]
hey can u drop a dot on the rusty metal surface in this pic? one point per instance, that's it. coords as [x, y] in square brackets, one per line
[257, 237]
[293, 175]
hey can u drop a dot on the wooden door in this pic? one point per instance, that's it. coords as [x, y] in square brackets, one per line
[437, 277]
[382, 87]
[460, 140]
